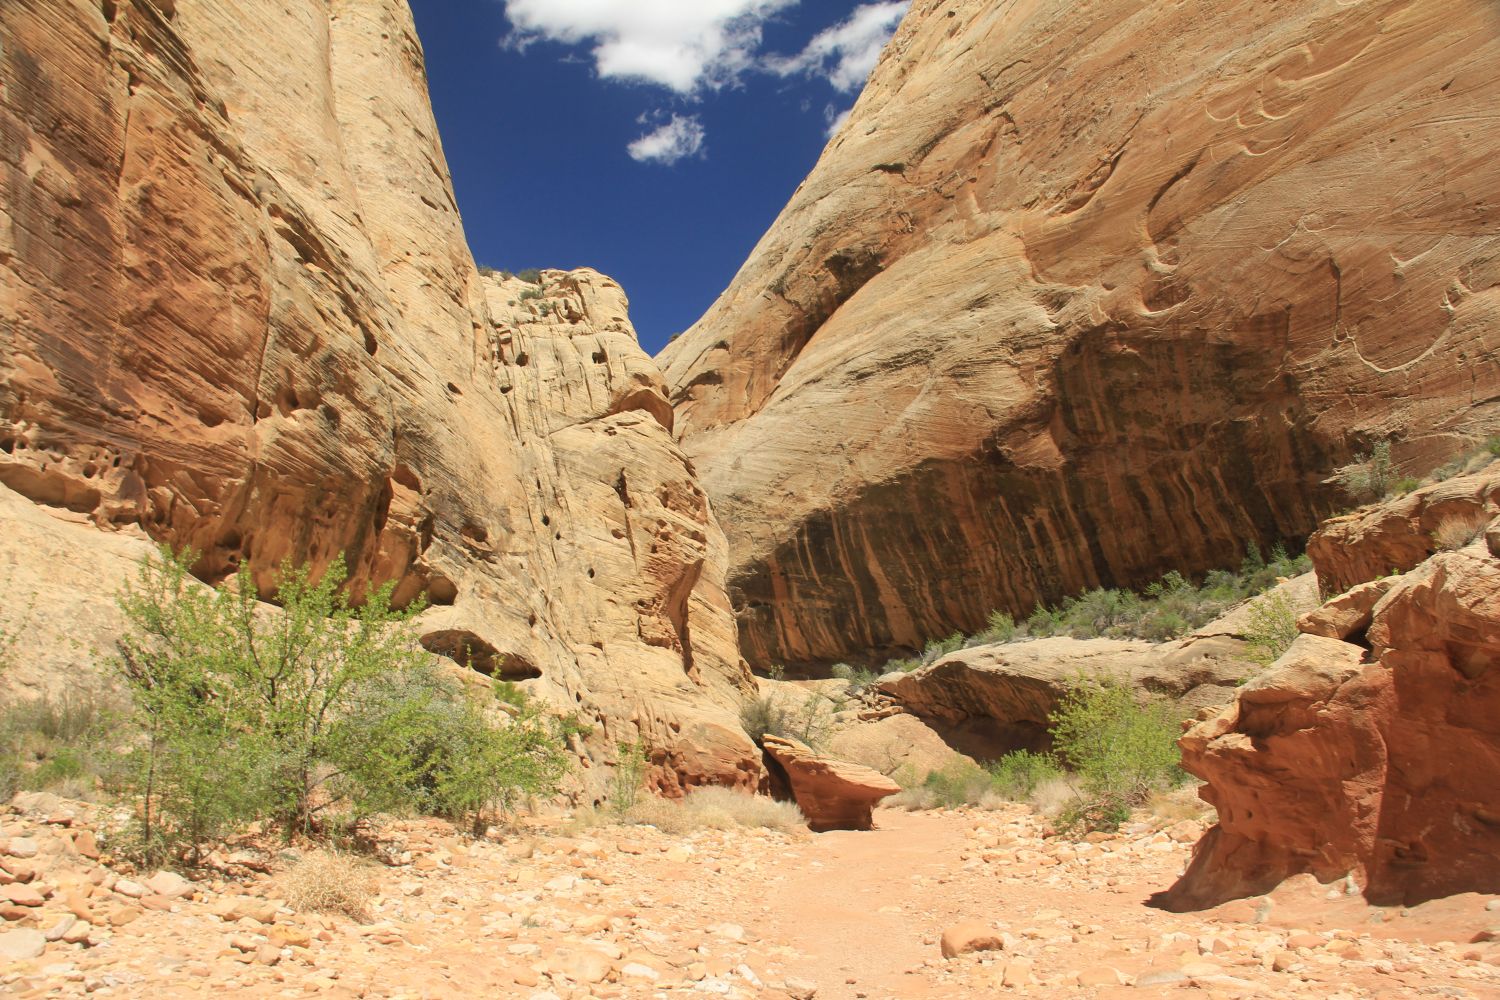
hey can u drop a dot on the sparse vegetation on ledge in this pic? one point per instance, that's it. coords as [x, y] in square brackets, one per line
[1168, 609]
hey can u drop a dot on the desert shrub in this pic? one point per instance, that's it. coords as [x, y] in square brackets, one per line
[1018, 775]
[417, 740]
[1492, 445]
[938, 648]
[1119, 750]
[328, 882]
[917, 798]
[860, 679]
[714, 808]
[762, 716]
[629, 777]
[1405, 485]
[999, 627]
[61, 742]
[528, 294]
[1272, 628]
[807, 717]
[960, 782]
[248, 715]
[1370, 476]
[530, 275]
[1458, 530]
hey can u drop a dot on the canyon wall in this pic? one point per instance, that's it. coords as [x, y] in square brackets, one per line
[1083, 293]
[238, 313]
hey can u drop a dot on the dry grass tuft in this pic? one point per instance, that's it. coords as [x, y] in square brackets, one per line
[325, 882]
[1054, 796]
[915, 799]
[1179, 804]
[1458, 530]
[716, 809]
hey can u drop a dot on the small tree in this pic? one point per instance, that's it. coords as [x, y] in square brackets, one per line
[1371, 476]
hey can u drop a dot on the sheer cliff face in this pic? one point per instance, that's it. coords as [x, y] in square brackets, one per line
[1081, 294]
[238, 312]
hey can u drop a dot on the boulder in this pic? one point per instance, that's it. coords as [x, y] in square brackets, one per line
[832, 794]
[1336, 762]
[968, 937]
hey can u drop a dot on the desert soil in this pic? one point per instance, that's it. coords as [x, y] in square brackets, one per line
[613, 911]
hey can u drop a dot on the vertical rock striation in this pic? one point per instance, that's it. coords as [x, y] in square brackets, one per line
[1066, 305]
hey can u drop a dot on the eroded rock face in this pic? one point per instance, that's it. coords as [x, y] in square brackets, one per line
[238, 313]
[1376, 761]
[833, 794]
[1059, 308]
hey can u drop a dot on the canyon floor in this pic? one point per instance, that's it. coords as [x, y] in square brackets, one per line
[569, 911]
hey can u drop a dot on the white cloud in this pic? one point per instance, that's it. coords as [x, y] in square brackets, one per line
[676, 140]
[684, 45]
[835, 119]
[848, 51]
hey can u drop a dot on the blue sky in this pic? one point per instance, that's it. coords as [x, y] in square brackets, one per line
[655, 140]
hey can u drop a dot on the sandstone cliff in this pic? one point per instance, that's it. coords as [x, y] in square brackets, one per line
[238, 312]
[1085, 293]
[1371, 750]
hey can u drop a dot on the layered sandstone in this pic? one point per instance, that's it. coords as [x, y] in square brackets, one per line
[1063, 307]
[238, 313]
[833, 794]
[1373, 757]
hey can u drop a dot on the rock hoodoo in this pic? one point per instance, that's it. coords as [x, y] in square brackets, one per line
[1061, 308]
[1375, 756]
[240, 314]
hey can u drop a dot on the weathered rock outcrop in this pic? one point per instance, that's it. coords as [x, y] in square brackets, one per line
[832, 794]
[238, 313]
[1378, 760]
[989, 700]
[1060, 307]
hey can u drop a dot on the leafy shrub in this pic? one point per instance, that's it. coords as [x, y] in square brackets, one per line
[1405, 485]
[246, 715]
[527, 294]
[325, 882]
[531, 276]
[1272, 628]
[1018, 775]
[1000, 627]
[1457, 530]
[1121, 751]
[1370, 476]
[1492, 445]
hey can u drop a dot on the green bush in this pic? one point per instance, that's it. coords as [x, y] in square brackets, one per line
[531, 276]
[1272, 628]
[808, 719]
[1120, 750]
[1001, 627]
[247, 715]
[629, 777]
[1018, 775]
[527, 294]
[959, 783]
[1406, 484]
[1370, 476]
[939, 648]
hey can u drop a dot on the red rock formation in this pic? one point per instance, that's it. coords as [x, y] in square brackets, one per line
[238, 312]
[832, 794]
[1061, 306]
[1377, 763]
